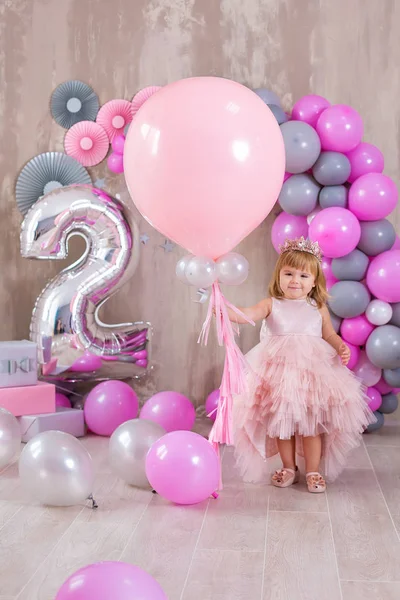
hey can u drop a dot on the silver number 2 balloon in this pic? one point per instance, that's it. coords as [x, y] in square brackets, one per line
[73, 343]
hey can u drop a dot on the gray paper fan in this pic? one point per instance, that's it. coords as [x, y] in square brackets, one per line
[73, 101]
[45, 173]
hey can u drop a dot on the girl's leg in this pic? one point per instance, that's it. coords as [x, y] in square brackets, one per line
[312, 447]
[287, 452]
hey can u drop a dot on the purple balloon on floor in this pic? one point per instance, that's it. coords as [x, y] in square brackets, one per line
[108, 405]
[109, 579]
[62, 400]
[212, 404]
[171, 410]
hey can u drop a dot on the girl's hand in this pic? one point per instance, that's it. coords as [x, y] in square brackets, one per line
[344, 353]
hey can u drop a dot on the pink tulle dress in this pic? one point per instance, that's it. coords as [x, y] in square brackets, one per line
[297, 385]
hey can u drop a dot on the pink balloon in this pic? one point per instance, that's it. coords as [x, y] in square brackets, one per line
[183, 467]
[383, 276]
[212, 404]
[365, 158]
[354, 355]
[396, 245]
[366, 371]
[340, 128]
[171, 410]
[108, 405]
[375, 398]
[356, 331]
[105, 580]
[118, 144]
[327, 268]
[286, 176]
[115, 162]
[62, 400]
[330, 282]
[286, 227]
[336, 230]
[383, 387]
[309, 108]
[199, 150]
[86, 363]
[372, 197]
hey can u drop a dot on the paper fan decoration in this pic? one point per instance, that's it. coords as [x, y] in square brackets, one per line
[114, 116]
[87, 142]
[45, 173]
[140, 98]
[73, 101]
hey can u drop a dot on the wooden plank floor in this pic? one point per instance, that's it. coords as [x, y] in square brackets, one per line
[253, 543]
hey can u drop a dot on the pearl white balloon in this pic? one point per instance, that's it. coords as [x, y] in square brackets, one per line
[10, 437]
[379, 312]
[180, 269]
[232, 268]
[201, 271]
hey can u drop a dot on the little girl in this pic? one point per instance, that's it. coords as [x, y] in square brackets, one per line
[300, 396]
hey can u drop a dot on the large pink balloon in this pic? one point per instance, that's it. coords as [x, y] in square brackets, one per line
[383, 276]
[109, 579]
[356, 330]
[204, 162]
[108, 405]
[340, 128]
[336, 230]
[183, 467]
[372, 197]
[365, 158]
[309, 108]
[171, 410]
[286, 227]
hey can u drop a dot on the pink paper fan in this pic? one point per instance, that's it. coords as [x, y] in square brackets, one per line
[87, 142]
[114, 116]
[141, 97]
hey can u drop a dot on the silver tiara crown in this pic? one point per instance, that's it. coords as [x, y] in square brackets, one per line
[302, 245]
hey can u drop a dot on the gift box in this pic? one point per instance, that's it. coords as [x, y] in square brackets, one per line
[68, 420]
[32, 400]
[18, 364]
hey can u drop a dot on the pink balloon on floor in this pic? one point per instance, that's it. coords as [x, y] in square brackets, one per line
[336, 230]
[356, 330]
[62, 400]
[171, 410]
[309, 108]
[340, 128]
[109, 579]
[286, 227]
[183, 467]
[108, 405]
[87, 363]
[375, 398]
[354, 355]
[212, 404]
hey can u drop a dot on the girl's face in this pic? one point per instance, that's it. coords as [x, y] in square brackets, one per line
[296, 284]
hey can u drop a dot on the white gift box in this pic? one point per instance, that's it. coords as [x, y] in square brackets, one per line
[18, 364]
[68, 420]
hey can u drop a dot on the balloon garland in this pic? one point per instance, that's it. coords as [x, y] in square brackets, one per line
[335, 193]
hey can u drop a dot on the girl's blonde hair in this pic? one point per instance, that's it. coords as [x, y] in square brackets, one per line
[301, 261]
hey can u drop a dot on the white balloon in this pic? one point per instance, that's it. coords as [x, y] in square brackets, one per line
[232, 268]
[180, 269]
[10, 437]
[379, 312]
[366, 371]
[201, 271]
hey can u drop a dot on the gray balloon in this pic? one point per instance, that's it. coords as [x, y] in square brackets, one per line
[129, 445]
[336, 321]
[392, 377]
[395, 320]
[351, 267]
[376, 236]
[389, 404]
[349, 299]
[333, 195]
[380, 419]
[302, 146]
[299, 195]
[267, 96]
[332, 168]
[278, 113]
[383, 347]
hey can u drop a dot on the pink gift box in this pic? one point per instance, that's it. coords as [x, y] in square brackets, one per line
[68, 420]
[29, 400]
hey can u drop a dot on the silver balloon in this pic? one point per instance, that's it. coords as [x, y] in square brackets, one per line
[302, 146]
[232, 268]
[379, 312]
[332, 168]
[392, 377]
[278, 113]
[10, 437]
[348, 299]
[267, 96]
[376, 237]
[390, 404]
[299, 195]
[378, 424]
[56, 469]
[129, 445]
[333, 195]
[335, 320]
[65, 322]
[201, 271]
[383, 347]
[180, 269]
[395, 319]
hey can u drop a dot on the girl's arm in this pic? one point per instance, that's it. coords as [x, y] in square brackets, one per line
[330, 336]
[254, 313]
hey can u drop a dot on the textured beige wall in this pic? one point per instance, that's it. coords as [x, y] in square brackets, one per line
[346, 50]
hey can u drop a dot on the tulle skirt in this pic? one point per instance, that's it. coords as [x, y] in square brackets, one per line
[297, 386]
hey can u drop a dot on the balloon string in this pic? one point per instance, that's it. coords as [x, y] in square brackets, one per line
[234, 374]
